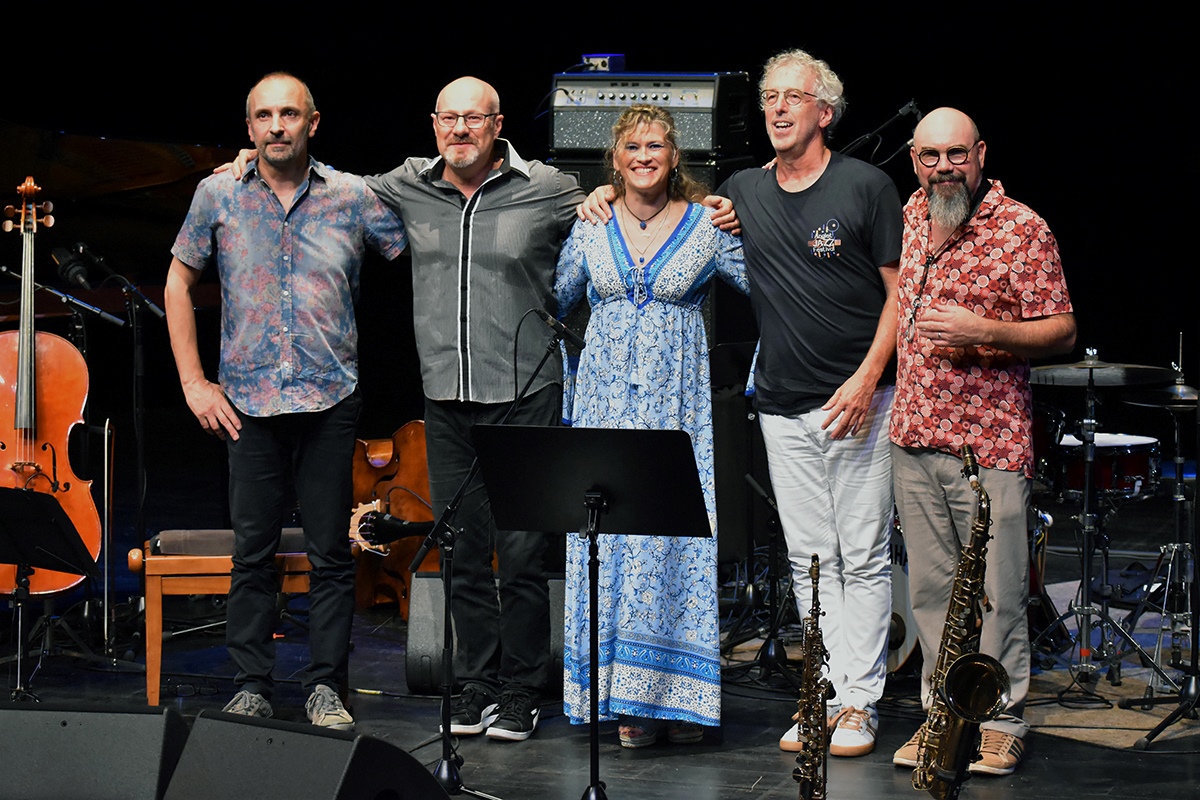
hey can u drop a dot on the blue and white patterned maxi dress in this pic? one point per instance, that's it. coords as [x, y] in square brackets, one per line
[646, 366]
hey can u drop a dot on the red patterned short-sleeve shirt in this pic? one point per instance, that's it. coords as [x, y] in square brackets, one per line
[1004, 266]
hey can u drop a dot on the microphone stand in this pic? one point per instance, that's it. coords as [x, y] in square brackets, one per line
[443, 534]
[134, 300]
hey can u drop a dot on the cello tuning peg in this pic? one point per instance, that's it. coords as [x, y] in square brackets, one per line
[10, 212]
[48, 221]
[8, 226]
[46, 207]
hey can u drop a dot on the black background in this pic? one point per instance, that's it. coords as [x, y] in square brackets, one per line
[1084, 116]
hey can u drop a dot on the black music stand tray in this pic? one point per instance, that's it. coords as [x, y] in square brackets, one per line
[36, 533]
[620, 481]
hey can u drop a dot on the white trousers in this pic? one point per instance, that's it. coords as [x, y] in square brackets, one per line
[835, 500]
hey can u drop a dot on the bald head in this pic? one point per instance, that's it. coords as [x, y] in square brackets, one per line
[945, 124]
[468, 92]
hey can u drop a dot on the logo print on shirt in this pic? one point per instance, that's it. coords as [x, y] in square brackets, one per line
[824, 242]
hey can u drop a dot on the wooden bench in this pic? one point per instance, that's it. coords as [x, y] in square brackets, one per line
[185, 562]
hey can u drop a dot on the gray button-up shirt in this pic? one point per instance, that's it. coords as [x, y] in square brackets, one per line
[478, 266]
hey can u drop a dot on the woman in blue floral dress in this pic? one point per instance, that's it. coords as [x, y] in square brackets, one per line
[646, 274]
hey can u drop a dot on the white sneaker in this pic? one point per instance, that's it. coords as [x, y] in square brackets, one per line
[854, 732]
[790, 741]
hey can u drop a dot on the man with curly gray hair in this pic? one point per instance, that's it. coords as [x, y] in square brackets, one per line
[822, 239]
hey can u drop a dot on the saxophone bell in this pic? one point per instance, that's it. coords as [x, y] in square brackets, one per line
[976, 688]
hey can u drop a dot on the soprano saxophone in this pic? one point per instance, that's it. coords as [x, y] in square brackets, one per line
[812, 727]
[967, 687]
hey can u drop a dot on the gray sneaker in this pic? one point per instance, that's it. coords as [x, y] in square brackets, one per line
[325, 710]
[249, 704]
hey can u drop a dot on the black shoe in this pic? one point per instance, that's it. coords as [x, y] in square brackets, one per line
[473, 711]
[517, 716]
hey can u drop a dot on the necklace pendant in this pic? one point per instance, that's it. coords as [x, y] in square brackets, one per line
[642, 260]
[642, 224]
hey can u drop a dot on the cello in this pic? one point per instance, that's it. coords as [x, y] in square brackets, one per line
[43, 389]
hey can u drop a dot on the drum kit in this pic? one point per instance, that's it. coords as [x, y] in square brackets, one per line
[1100, 472]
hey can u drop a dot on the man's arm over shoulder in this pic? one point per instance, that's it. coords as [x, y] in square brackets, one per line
[385, 230]
[561, 191]
[392, 186]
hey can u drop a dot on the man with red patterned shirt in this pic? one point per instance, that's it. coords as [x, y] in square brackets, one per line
[981, 290]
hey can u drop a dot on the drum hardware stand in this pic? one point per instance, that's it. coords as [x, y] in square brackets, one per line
[1183, 568]
[1089, 617]
[772, 655]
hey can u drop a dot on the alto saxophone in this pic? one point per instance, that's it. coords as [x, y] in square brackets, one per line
[967, 687]
[812, 727]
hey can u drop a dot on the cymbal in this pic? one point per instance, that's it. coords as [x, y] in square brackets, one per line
[1179, 397]
[1102, 373]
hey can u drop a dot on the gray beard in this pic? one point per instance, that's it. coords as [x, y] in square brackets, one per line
[949, 210]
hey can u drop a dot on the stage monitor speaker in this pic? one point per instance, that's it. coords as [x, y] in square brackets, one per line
[53, 752]
[423, 652]
[248, 757]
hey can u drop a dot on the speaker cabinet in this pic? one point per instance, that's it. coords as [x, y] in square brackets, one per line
[54, 752]
[234, 756]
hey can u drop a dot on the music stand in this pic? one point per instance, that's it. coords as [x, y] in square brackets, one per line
[641, 482]
[36, 533]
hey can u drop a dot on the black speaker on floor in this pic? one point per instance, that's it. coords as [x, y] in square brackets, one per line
[52, 752]
[234, 756]
[423, 652]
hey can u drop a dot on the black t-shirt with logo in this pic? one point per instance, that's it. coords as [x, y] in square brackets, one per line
[813, 258]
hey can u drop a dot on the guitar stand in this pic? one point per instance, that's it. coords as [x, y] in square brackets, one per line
[772, 656]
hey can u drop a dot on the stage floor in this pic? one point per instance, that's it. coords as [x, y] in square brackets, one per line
[739, 759]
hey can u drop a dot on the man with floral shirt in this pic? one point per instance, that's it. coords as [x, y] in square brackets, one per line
[981, 290]
[288, 239]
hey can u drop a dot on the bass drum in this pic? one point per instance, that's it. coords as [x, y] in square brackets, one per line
[902, 630]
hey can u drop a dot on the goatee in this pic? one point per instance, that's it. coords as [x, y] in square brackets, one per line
[949, 203]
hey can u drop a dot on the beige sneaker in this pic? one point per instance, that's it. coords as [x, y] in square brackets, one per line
[906, 756]
[249, 704]
[325, 710]
[999, 753]
[853, 732]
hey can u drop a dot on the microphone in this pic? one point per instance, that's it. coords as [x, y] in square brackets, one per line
[911, 108]
[379, 527]
[561, 330]
[72, 267]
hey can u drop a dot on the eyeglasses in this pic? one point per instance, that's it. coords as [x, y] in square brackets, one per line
[955, 155]
[793, 97]
[448, 120]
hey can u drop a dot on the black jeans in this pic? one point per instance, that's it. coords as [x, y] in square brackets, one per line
[503, 639]
[317, 449]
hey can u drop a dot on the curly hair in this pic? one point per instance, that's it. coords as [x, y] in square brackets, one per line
[682, 186]
[828, 88]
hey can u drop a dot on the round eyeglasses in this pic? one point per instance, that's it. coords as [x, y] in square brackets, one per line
[955, 155]
[793, 97]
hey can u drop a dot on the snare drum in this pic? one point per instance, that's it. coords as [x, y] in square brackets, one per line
[1126, 467]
